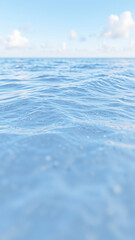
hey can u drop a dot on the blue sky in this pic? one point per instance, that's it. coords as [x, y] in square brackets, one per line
[77, 28]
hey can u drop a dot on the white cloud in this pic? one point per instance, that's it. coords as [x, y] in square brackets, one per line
[15, 40]
[120, 27]
[0, 38]
[73, 35]
[63, 47]
[132, 44]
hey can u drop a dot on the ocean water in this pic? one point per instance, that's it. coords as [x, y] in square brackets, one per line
[67, 149]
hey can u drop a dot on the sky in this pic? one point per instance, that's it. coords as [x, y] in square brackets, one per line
[67, 28]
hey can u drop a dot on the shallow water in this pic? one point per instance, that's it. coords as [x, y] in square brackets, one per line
[67, 149]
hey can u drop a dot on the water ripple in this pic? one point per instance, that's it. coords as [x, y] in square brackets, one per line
[67, 149]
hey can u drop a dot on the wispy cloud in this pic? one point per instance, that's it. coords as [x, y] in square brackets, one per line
[63, 47]
[109, 47]
[26, 28]
[46, 47]
[132, 44]
[73, 35]
[119, 27]
[15, 40]
[82, 39]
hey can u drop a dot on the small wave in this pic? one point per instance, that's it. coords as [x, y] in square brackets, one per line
[67, 145]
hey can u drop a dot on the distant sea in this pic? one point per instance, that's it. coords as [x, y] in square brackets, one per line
[67, 149]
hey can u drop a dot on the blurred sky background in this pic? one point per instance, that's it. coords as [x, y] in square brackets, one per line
[68, 28]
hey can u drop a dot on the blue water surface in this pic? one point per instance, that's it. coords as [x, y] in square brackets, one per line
[67, 149]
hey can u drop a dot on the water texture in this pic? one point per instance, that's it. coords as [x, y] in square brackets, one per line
[67, 149]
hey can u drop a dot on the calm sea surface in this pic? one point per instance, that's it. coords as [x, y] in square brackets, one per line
[67, 149]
